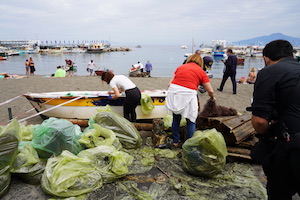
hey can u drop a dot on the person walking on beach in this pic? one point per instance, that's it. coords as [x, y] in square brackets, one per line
[276, 98]
[148, 67]
[119, 84]
[182, 96]
[90, 67]
[31, 66]
[229, 71]
[27, 67]
[69, 67]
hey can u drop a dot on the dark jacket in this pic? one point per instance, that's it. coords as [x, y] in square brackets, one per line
[231, 64]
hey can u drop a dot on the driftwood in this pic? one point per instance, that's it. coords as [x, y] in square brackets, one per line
[235, 129]
[159, 135]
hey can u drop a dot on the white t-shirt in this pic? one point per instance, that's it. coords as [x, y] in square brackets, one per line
[121, 82]
[141, 65]
[91, 65]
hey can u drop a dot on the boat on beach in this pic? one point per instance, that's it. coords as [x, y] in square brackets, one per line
[84, 104]
[99, 72]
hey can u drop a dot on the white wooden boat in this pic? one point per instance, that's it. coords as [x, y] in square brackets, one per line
[84, 104]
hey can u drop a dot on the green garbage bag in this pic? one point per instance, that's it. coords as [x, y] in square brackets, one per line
[205, 153]
[146, 104]
[124, 129]
[27, 165]
[111, 163]
[8, 150]
[68, 175]
[168, 119]
[26, 132]
[99, 136]
[55, 135]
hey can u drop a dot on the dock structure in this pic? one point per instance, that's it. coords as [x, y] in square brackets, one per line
[18, 43]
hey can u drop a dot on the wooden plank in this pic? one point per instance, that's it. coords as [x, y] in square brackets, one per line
[238, 150]
[237, 121]
[243, 131]
[239, 156]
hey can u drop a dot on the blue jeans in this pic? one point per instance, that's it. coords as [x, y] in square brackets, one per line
[190, 128]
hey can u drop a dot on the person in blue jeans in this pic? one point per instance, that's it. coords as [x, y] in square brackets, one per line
[182, 97]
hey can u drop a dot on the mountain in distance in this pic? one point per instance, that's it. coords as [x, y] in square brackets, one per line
[263, 40]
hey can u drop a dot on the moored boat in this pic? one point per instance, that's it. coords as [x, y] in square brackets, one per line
[84, 104]
[99, 72]
[3, 58]
[133, 72]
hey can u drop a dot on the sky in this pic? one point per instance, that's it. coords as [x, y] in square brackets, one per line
[147, 21]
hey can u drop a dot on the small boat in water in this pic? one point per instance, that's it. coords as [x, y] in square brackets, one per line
[84, 104]
[3, 58]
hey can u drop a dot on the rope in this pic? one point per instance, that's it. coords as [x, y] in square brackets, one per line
[50, 108]
[27, 111]
[5, 102]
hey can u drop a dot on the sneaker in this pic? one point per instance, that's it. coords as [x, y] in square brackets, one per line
[234, 93]
[219, 89]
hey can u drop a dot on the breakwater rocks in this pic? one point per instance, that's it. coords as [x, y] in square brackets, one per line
[108, 49]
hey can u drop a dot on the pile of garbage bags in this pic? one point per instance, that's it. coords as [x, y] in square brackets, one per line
[64, 160]
[67, 162]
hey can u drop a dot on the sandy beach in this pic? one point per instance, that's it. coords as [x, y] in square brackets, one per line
[11, 88]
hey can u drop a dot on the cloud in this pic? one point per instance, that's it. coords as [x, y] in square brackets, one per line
[147, 21]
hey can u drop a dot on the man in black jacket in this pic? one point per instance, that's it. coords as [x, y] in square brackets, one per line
[276, 97]
[229, 71]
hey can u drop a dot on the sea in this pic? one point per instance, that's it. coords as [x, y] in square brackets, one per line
[164, 58]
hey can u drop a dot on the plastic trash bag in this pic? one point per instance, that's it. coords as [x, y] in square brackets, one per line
[124, 129]
[8, 150]
[68, 175]
[205, 153]
[26, 132]
[146, 104]
[55, 135]
[168, 119]
[111, 163]
[27, 165]
[99, 136]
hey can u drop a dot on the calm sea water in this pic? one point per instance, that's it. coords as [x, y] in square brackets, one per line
[165, 59]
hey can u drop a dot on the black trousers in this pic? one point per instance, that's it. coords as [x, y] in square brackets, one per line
[233, 80]
[133, 98]
[282, 169]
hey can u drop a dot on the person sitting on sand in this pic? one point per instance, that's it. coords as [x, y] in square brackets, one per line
[60, 72]
[252, 76]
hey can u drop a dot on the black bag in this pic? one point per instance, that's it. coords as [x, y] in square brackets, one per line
[267, 143]
[262, 149]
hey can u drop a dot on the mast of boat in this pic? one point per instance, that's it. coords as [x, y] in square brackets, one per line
[193, 45]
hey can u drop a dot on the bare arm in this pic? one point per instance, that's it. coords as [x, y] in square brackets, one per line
[260, 125]
[209, 89]
[116, 93]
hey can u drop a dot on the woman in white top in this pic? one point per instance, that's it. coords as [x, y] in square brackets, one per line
[119, 84]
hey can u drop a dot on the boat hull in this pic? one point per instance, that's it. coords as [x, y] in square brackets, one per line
[88, 105]
[99, 72]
